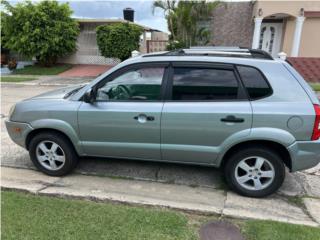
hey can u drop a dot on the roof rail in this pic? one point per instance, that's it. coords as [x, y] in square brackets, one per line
[219, 48]
[217, 52]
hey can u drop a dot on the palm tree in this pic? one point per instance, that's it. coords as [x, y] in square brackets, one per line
[189, 15]
[168, 6]
[183, 19]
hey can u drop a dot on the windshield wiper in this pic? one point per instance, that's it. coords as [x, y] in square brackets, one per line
[72, 92]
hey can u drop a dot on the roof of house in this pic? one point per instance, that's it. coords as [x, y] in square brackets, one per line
[309, 68]
[113, 20]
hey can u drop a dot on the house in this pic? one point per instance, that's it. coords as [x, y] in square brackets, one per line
[87, 49]
[292, 27]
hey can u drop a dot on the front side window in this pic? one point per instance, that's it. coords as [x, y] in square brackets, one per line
[138, 84]
[256, 85]
[198, 84]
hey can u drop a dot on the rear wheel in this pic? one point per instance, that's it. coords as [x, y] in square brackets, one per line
[255, 172]
[52, 153]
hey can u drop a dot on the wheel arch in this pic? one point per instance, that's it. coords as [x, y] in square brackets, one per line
[275, 146]
[37, 131]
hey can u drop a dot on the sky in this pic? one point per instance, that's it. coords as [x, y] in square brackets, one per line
[113, 9]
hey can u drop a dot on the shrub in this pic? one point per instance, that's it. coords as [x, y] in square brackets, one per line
[118, 40]
[174, 45]
[44, 30]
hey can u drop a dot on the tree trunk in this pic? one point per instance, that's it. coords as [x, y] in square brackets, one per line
[172, 30]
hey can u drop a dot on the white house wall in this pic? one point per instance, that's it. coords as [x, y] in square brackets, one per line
[87, 48]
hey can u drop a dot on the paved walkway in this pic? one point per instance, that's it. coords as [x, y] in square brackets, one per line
[85, 70]
[177, 186]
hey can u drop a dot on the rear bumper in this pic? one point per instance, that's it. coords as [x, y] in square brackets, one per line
[304, 154]
[18, 132]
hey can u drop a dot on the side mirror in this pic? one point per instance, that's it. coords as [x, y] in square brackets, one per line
[89, 97]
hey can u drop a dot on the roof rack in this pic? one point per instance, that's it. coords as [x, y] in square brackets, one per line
[217, 52]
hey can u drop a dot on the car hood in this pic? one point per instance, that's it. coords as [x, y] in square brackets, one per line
[58, 93]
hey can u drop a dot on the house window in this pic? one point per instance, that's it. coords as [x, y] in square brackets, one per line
[272, 30]
[263, 30]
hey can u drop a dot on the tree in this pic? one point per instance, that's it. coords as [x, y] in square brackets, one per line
[118, 40]
[184, 20]
[189, 15]
[44, 30]
[168, 6]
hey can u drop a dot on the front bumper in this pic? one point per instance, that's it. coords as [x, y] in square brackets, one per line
[304, 155]
[18, 132]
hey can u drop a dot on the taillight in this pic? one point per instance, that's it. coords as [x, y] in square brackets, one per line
[316, 129]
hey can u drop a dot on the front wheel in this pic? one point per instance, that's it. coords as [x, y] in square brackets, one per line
[52, 153]
[255, 172]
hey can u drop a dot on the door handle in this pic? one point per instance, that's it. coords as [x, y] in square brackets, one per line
[150, 118]
[232, 119]
[143, 118]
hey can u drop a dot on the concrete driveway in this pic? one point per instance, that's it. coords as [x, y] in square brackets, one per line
[183, 182]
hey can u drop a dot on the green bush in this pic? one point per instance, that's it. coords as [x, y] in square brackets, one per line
[175, 45]
[44, 30]
[118, 40]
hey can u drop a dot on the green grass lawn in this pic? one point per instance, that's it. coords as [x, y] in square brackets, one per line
[269, 230]
[39, 70]
[316, 86]
[27, 216]
[16, 79]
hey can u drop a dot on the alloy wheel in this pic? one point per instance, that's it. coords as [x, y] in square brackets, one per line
[254, 173]
[50, 155]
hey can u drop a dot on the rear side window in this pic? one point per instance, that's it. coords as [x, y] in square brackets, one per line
[256, 85]
[203, 84]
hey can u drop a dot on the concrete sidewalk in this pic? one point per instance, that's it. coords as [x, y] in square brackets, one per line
[198, 199]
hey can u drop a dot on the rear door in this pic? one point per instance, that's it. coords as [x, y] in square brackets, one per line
[206, 104]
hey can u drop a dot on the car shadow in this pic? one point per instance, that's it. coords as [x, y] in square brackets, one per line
[190, 175]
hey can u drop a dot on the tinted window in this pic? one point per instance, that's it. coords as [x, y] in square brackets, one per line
[139, 84]
[204, 84]
[254, 82]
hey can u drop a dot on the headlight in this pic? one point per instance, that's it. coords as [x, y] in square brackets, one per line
[11, 111]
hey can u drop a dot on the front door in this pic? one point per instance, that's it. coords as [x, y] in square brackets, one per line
[124, 121]
[206, 107]
[270, 38]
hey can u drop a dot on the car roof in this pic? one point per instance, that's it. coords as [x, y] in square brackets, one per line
[236, 55]
[216, 52]
[212, 59]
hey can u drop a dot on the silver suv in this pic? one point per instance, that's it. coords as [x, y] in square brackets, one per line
[238, 109]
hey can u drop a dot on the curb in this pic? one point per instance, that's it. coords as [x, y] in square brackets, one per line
[139, 193]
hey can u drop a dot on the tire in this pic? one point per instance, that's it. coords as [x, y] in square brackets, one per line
[243, 174]
[52, 153]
